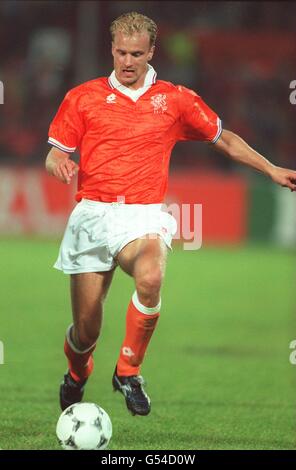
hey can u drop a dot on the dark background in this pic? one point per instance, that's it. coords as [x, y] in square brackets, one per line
[239, 56]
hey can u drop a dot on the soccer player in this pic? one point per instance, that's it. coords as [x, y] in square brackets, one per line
[125, 127]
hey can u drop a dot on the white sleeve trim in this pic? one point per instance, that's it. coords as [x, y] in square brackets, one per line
[142, 308]
[219, 131]
[60, 146]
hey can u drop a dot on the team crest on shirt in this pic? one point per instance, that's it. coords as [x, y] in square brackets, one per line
[111, 98]
[159, 103]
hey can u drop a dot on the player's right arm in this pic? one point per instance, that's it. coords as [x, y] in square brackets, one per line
[59, 164]
[65, 133]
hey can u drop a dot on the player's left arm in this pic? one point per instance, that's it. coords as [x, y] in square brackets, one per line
[236, 148]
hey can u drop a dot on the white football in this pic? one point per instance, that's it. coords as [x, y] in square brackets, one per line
[84, 426]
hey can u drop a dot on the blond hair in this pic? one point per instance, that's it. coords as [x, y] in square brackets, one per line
[130, 23]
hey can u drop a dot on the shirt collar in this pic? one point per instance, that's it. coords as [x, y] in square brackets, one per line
[150, 79]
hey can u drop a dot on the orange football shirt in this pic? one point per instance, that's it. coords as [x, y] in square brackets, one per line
[125, 145]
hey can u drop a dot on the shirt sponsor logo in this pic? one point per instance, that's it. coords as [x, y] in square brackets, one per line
[159, 103]
[111, 98]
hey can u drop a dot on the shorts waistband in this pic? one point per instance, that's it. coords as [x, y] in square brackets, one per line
[91, 202]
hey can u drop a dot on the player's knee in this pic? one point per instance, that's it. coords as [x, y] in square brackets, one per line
[150, 282]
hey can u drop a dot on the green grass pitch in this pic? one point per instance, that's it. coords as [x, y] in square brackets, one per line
[217, 368]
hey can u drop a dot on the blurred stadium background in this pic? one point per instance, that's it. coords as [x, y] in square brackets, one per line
[239, 56]
[237, 293]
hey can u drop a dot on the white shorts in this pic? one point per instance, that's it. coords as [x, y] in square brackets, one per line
[97, 231]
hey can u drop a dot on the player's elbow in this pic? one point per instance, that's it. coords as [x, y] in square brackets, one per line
[228, 143]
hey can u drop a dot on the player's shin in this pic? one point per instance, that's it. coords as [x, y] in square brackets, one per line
[140, 325]
[80, 363]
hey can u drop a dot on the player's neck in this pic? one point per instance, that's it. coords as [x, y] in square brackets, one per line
[137, 85]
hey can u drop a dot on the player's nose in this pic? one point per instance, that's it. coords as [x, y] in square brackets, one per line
[128, 60]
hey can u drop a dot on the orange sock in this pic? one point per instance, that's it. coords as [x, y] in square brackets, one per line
[80, 363]
[140, 324]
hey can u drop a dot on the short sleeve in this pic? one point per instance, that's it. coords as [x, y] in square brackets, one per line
[197, 120]
[67, 128]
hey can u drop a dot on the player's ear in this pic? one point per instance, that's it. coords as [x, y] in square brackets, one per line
[112, 48]
[151, 52]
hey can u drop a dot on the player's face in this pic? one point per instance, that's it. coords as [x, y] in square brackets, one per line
[131, 54]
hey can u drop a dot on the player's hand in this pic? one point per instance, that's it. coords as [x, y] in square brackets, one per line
[64, 170]
[284, 177]
[60, 165]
